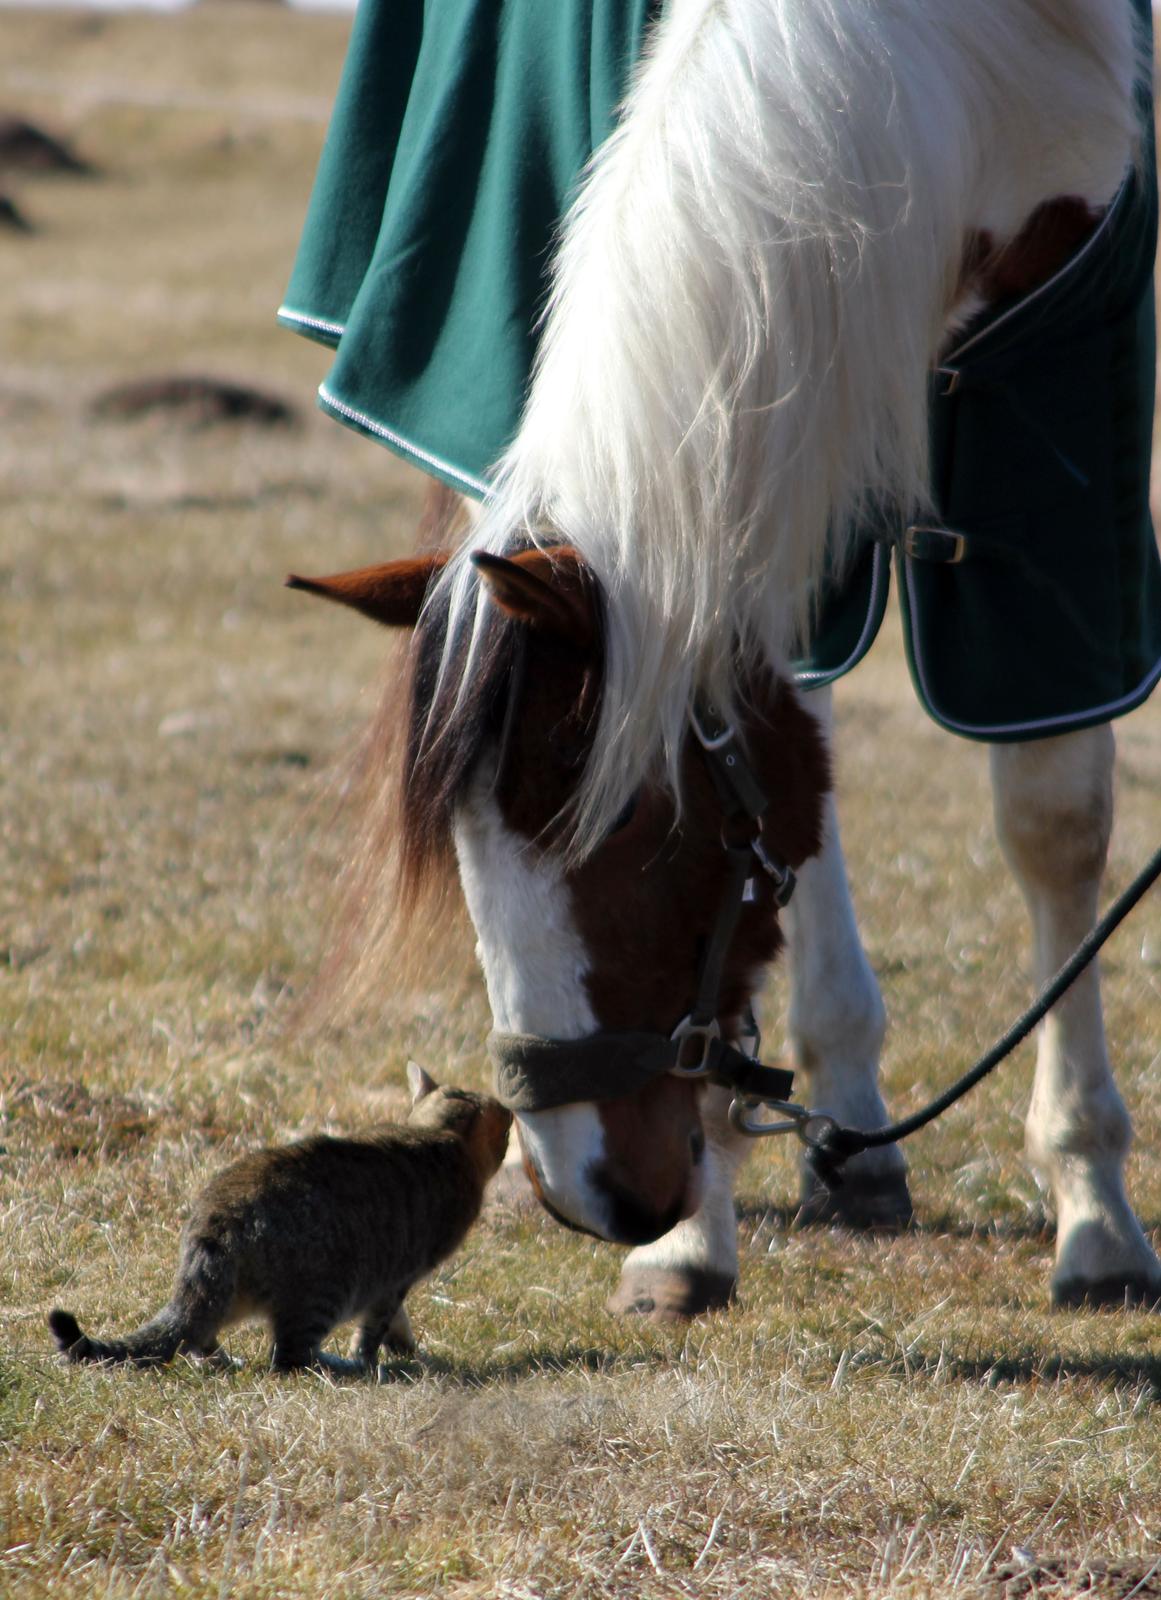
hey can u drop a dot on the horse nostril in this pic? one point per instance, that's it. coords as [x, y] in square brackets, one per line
[697, 1145]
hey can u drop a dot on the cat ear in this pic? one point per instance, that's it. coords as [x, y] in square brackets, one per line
[420, 1083]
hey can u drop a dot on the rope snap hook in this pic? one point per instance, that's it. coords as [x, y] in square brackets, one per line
[814, 1128]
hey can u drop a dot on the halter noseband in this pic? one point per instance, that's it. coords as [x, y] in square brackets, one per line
[535, 1074]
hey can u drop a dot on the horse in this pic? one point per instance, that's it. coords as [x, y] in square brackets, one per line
[802, 206]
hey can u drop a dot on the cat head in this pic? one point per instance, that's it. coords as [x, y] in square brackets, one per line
[481, 1122]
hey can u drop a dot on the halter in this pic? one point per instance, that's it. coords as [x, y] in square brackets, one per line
[537, 1074]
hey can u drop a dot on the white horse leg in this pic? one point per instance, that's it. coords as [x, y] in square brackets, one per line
[693, 1267]
[1054, 811]
[836, 1025]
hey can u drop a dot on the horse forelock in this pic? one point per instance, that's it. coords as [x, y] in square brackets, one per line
[462, 661]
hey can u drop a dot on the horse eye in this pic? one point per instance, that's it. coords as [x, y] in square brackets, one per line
[624, 816]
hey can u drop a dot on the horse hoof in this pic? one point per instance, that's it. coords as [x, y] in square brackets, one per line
[1116, 1293]
[875, 1202]
[671, 1294]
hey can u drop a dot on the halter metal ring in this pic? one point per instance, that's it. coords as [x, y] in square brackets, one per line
[782, 876]
[694, 1062]
[710, 741]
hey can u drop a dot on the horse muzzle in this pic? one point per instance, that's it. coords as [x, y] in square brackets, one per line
[627, 1170]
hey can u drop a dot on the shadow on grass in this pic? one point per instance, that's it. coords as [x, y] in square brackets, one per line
[1049, 1576]
[945, 1225]
[542, 1361]
[1024, 1367]
[1137, 1371]
[755, 1213]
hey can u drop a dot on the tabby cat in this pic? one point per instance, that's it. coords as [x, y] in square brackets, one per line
[311, 1234]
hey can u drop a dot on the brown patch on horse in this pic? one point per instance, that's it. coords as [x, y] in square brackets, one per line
[532, 687]
[1051, 236]
[652, 894]
[646, 903]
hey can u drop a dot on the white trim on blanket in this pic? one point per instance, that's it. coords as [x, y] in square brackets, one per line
[1038, 727]
[424, 458]
[872, 622]
[286, 314]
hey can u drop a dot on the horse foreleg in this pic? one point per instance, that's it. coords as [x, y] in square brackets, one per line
[1054, 811]
[693, 1267]
[836, 1025]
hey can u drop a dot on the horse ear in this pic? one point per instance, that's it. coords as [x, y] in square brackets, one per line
[543, 588]
[392, 593]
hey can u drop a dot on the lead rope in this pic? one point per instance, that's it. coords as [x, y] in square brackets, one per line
[830, 1144]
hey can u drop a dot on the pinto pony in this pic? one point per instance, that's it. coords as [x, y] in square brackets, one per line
[803, 201]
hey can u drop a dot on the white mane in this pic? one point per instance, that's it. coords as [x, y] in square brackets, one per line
[748, 298]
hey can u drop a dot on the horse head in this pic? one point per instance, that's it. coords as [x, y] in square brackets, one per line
[598, 949]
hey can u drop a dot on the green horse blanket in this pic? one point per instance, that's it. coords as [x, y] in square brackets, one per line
[459, 136]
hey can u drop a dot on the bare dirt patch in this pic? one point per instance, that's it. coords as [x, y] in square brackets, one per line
[197, 401]
[12, 217]
[25, 147]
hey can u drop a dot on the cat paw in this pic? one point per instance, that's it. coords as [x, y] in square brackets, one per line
[400, 1338]
[217, 1360]
[340, 1366]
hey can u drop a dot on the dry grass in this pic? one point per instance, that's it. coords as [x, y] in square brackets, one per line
[877, 1416]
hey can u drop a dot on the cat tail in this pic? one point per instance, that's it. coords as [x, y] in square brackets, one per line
[153, 1344]
[202, 1299]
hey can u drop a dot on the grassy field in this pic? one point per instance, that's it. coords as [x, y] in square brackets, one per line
[900, 1415]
